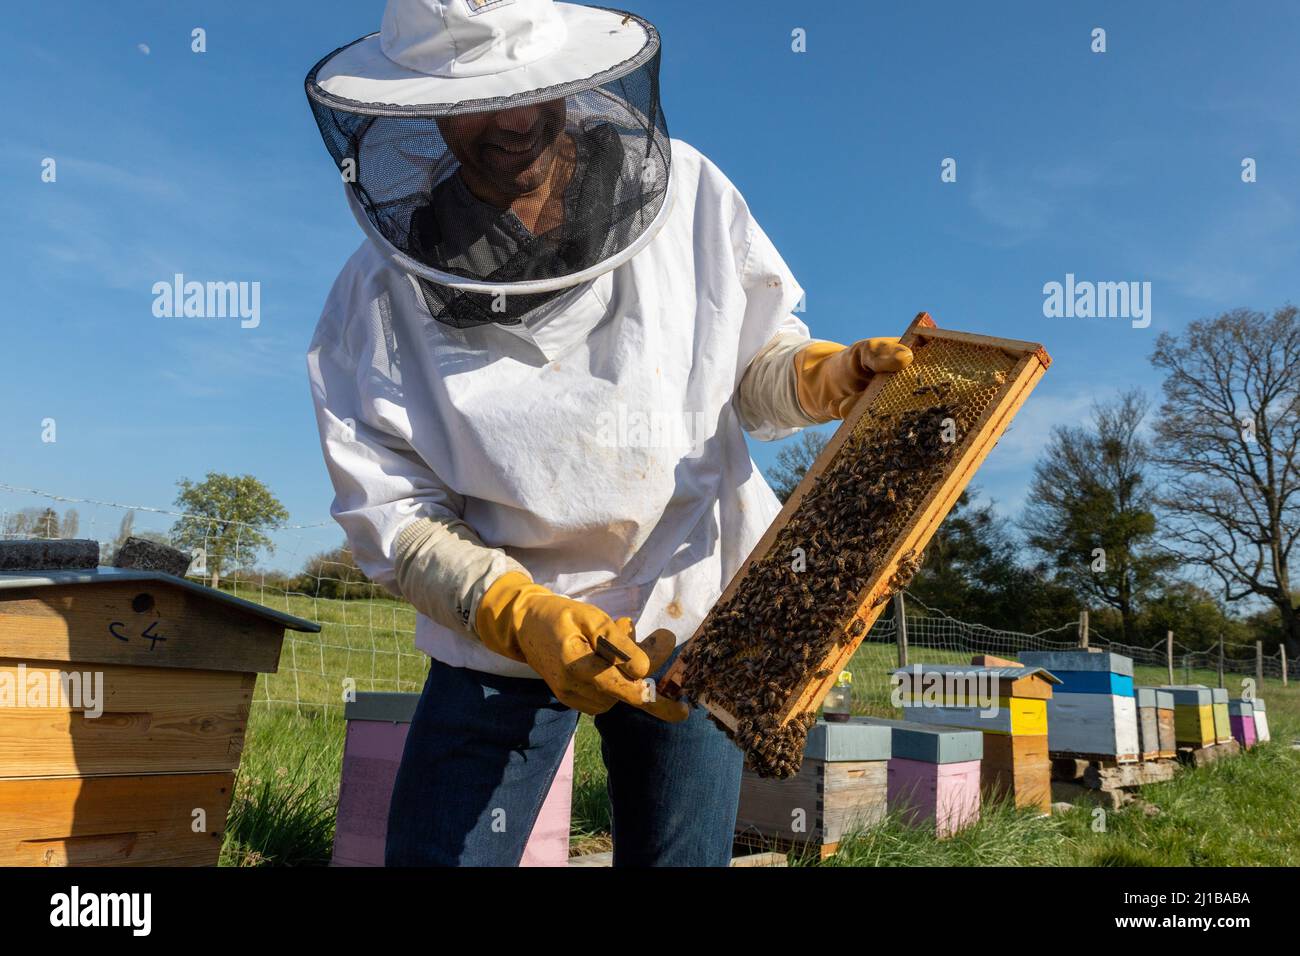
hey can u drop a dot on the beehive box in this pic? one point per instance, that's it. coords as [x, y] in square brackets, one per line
[1241, 714]
[1156, 737]
[850, 535]
[934, 774]
[140, 771]
[1092, 713]
[1222, 723]
[841, 786]
[377, 724]
[1085, 671]
[1261, 720]
[1012, 715]
[1193, 715]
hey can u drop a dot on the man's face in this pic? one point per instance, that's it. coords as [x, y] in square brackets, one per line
[508, 153]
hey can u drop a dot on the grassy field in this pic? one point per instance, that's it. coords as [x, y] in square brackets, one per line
[1232, 813]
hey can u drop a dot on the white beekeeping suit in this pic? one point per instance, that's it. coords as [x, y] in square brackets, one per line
[598, 443]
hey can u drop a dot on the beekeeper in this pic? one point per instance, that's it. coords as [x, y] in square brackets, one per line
[532, 382]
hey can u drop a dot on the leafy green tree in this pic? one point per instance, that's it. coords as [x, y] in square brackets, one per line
[334, 574]
[971, 571]
[37, 523]
[1195, 615]
[1089, 511]
[227, 516]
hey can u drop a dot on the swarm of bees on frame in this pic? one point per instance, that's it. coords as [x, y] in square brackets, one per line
[760, 648]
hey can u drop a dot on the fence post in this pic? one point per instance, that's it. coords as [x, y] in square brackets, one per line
[1282, 648]
[900, 626]
[1169, 653]
[1220, 660]
[1083, 629]
[1259, 665]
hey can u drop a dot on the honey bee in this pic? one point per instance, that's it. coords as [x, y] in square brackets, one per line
[779, 629]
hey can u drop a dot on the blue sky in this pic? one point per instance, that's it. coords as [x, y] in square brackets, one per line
[1121, 166]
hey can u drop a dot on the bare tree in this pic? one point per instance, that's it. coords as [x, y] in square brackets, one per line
[793, 462]
[1228, 437]
[1090, 509]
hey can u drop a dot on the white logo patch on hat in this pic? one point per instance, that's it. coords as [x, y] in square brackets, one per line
[482, 6]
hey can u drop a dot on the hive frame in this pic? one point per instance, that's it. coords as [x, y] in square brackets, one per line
[1030, 362]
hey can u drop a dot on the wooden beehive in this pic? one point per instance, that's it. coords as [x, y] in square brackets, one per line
[1193, 715]
[842, 786]
[372, 750]
[934, 774]
[1092, 714]
[148, 781]
[769, 651]
[1241, 713]
[1015, 764]
[1261, 721]
[1222, 721]
[1156, 737]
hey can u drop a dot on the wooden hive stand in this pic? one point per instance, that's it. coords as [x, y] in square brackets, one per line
[143, 775]
[984, 381]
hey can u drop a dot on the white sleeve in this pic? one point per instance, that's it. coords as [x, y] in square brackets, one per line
[770, 334]
[768, 397]
[402, 522]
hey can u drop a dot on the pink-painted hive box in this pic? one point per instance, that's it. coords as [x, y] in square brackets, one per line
[934, 774]
[1241, 718]
[372, 749]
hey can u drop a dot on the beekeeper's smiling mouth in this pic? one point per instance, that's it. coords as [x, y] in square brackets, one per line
[520, 148]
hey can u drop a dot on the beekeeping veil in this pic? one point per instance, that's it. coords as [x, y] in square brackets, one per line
[499, 151]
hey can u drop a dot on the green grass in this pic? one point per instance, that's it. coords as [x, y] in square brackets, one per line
[1236, 812]
[1231, 813]
[286, 794]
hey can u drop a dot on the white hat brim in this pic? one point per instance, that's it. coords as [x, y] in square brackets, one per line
[601, 45]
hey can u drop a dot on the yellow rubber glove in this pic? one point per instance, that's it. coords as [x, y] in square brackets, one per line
[557, 637]
[830, 377]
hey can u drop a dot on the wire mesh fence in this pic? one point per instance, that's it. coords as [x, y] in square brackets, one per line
[933, 637]
[366, 641]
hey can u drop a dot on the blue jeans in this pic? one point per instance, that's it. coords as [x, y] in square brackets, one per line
[482, 751]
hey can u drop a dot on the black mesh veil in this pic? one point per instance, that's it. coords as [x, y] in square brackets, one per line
[450, 188]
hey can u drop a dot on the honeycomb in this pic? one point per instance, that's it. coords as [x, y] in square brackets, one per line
[759, 649]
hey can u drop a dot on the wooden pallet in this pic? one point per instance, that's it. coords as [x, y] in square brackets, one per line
[1104, 759]
[1200, 756]
[1001, 372]
[1104, 781]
